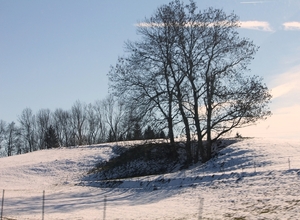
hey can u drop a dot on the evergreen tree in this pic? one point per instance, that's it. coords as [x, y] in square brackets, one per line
[51, 138]
[149, 133]
[137, 132]
[162, 134]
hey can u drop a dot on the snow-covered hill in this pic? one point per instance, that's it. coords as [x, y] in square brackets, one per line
[251, 179]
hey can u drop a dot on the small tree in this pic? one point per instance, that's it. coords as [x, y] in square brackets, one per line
[137, 132]
[51, 138]
[149, 133]
[162, 134]
[114, 115]
[12, 139]
[129, 135]
[2, 131]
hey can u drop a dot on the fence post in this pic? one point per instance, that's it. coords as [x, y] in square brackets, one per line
[289, 163]
[104, 210]
[43, 205]
[2, 204]
[200, 208]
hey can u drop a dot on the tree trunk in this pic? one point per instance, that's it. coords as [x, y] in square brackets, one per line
[188, 134]
[200, 147]
[208, 122]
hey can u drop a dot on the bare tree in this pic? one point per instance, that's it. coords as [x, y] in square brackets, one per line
[28, 129]
[12, 136]
[63, 127]
[143, 79]
[215, 62]
[78, 118]
[193, 64]
[43, 121]
[95, 124]
[92, 128]
[100, 121]
[2, 132]
[115, 114]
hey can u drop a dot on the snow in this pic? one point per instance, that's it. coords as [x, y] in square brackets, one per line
[252, 179]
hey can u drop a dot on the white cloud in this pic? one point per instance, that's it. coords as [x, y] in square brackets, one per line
[256, 25]
[287, 83]
[289, 26]
[283, 89]
[188, 24]
[147, 25]
[284, 123]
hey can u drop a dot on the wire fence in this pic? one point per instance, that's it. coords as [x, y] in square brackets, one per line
[42, 213]
[40, 199]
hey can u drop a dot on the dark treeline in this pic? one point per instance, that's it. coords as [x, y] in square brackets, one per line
[104, 121]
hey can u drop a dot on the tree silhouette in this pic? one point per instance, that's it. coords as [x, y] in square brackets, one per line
[51, 138]
[189, 70]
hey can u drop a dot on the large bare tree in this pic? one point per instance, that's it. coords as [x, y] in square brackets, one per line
[193, 64]
[214, 60]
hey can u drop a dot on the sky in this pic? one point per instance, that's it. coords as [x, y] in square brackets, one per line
[54, 53]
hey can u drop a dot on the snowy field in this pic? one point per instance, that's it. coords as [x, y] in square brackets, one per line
[251, 179]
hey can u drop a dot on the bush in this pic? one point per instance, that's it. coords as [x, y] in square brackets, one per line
[140, 160]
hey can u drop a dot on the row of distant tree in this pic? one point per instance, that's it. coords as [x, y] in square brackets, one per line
[104, 121]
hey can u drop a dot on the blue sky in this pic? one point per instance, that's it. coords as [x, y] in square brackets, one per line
[56, 52]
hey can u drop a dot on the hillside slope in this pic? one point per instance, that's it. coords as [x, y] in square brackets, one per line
[252, 179]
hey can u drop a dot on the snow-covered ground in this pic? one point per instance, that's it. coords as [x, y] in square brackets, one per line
[251, 179]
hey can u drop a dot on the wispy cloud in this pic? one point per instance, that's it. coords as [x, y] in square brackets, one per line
[290, 26]
[284, 123]
[147, 25]
[283, 89]
[287, 84]
[256, 25]
[188, 24]
[252, 25]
